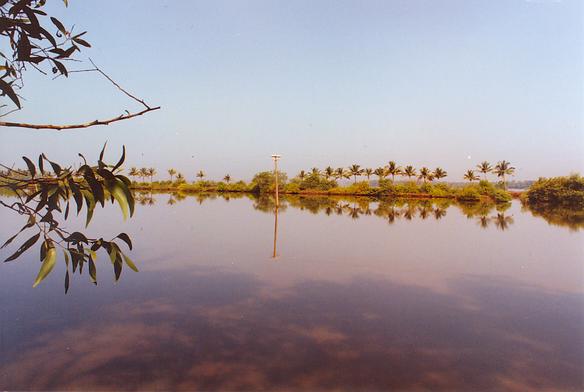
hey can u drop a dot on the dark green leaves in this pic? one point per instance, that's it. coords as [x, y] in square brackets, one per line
[30, 242]
[9, 91]
[31, 38]
[31, 168]
[46, 197]
[59, 25]
[126, 238]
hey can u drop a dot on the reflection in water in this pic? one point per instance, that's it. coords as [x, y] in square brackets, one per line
[275, 230]
[428, 302]
[215, 330]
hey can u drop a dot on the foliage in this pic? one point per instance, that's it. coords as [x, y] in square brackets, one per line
[33, 41]
[483, 189]
[557, 191]
[314, 182]
[264, 182]
[46, 198]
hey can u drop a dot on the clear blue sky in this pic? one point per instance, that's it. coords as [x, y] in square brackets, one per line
[322, 83]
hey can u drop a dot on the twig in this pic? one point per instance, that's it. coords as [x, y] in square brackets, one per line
[88, 124]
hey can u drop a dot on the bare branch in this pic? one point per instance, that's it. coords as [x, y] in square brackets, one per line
[88, 124]
[77, 126]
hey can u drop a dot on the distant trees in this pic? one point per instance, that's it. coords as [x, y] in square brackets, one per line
[394, 170]
[502, 169]
[470, 176]
[485, 168]
[134, 172]
[227, 178]
[171, 173]
[143, 173]
[439, 173]
[151, 172]
[355, 171]
[201, 175]
[425, 174]
[409, 171]
[329, 172]
[368, 173]
[380, 172]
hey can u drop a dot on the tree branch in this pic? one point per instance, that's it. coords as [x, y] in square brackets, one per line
[88, 124]
[77, 126]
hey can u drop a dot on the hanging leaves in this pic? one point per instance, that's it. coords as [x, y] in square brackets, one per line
[46, 195]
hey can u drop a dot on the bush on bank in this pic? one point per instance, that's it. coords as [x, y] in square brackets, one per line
[557, 191]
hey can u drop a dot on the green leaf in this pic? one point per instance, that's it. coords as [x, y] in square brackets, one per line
[130, 263]
[31, 168]
[117, 191]
[47, 266]
[30, 242]
[92, 272]
[67, 281]
[7, 90]
[122, 159]
[90, 201]
[126, 238]
[59, 25]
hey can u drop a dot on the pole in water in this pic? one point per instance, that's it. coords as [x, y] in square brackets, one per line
[276, 157]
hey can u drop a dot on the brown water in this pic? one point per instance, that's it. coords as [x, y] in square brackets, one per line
[360, 295]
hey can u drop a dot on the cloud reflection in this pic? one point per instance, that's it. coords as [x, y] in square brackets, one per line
[217, 330]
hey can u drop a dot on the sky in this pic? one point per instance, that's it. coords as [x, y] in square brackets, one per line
[423, 82]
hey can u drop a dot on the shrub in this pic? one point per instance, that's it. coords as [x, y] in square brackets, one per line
[265, 182]
[560, 191]
[408, 187]
[468, 193]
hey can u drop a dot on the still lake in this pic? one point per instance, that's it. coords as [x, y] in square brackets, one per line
[361, 295]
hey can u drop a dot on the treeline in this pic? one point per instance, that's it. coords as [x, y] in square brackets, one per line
[420, 182]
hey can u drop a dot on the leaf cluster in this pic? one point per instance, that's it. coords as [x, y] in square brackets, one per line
[33, 39]
[48, 198]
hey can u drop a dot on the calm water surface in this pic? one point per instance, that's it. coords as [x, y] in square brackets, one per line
[360, 295]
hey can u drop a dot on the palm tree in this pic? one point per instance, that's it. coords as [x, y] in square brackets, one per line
[368, 172]
[180, 177]
[329, 172]
[439, 173]
[394, 170]
[302, 175]
[355, 171]
[409, 171]
[380, 172]
[227, 178]
[143, 173]
[151, 173]
[470, 176]
[315, 171]
[485, 167]
[503, 169]
[201, 175]
[424, 174]
[134, 172]
[171, 173]
[340, 173]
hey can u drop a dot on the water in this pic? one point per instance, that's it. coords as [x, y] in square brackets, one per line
[360, 295]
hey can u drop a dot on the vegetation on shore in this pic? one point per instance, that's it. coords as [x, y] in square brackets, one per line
[559, 200]
[419, 184]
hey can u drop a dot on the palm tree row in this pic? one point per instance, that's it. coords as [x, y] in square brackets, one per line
[142, 173]
[392, 169]
[501, 170]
